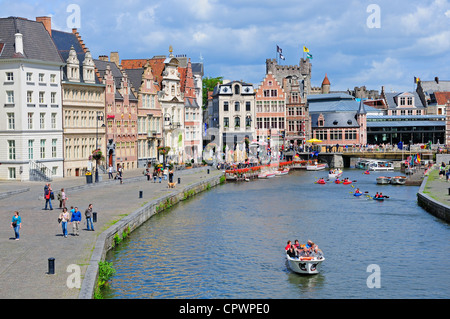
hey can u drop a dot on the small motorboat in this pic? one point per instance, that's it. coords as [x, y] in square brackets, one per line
[383, 180]
[281, 172]
[305, 265]
[398, 180]
[266, 175]
[335, 173]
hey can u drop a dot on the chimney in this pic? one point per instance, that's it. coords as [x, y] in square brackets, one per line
[103, 58]
[19, 43]
[115, 58]
[436, 79]
[47, 22]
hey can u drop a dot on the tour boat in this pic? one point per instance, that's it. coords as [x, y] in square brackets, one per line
[383, 180]
[335, 173]
[398, 180]
[305, 265]
[315, 167]
[266, 175]
[363, 164]
[381, 166]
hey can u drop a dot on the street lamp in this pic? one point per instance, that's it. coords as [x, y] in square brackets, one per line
[100, 116]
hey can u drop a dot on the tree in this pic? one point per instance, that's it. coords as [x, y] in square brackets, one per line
[208, 85]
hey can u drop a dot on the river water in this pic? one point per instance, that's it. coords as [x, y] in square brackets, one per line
[229, 242]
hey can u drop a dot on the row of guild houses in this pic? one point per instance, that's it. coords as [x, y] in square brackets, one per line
[60, 105]
[286, 110]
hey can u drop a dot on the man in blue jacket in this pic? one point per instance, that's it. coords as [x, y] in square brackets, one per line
[75, 220]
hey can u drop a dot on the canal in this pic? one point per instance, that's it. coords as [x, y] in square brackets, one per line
[229, 242]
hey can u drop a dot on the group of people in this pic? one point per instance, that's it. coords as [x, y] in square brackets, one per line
[380, 195]
[118, 174]
[159, 172]
[74, 217]
[443, 172]
[309, 249]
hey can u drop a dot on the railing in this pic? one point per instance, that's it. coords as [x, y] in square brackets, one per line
[39, 172]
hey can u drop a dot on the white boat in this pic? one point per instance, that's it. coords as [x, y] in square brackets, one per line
[363, 164]
[315, 167]
[230, 177]
[305, 265]
[265, 175]
[398, 180]
[281, 172]
[381, 166]
[383, 180]
[335, 173]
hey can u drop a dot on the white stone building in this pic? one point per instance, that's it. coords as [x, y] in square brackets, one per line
[31, 134]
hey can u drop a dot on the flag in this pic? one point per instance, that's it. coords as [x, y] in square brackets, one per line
[279, 50]
[282, 57]
[417, 159]
[309, 56]
[400, 145]
[416, 80]
[305, 49]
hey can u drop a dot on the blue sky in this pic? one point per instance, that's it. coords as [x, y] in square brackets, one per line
[234, 38]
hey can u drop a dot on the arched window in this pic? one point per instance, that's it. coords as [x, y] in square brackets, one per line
[236, 89]
[237, 121]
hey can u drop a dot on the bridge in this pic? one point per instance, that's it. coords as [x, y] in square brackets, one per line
[350, 157]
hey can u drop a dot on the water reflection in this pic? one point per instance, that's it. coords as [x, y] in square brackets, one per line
[228, 243]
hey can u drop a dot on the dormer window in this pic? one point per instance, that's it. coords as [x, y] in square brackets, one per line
[236, 89]
[321, 121]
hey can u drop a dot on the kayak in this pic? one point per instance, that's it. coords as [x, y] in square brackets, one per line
[378, 198]
[347, 182]
[321, 181]
[357, 194]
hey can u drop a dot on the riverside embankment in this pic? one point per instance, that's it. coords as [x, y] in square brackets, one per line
[117, 205]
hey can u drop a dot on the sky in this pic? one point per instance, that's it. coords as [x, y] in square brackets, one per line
[356, 43]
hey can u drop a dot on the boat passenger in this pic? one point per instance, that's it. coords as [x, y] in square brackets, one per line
[381, 195]
[377, 195]
[357, 191]
[304, 252]
[288, 245]
[297, 244]
[316, 252]
[291, 252]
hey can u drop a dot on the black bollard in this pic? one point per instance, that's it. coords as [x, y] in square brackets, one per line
[94, 217]
[140, 194]
[449, 190]
[179, 180]
[51, 266]
[208, 170]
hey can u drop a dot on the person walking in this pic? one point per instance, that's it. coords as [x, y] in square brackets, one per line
[63, 198]
[76, 220]
[171, 175]
[64, 217]
[16, 224]
[47, 195]
[88, 215]
[110, 172]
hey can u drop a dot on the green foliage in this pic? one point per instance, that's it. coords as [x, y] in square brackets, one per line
[208, 85]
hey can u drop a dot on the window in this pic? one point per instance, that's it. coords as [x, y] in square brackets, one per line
[237, 121]
[248, 121]
[350, 134]
[54, 147]
[29, 77]
[237, 105]
[42, 149]
[236, 89]
[53, 98]
[30, 121]
[11, 121]
[226, 122]
[281, 123]
[41, 97]
[30, 149]
[266, 123]
[10, 97]
[259, 123]
[11, 172]
[274, 106]
[274, 122]
[247, 106]
[41, 77]
[259, 106]
[42, 121]
[52, 78]
[12, 150]
[410, 100]
[9, 76]
[53, 120]
[29, 96]
[274, 93]
[410, 112]
[266, 93]
[294, 97]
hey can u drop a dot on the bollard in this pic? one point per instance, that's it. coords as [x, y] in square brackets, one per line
[179, 180]
[208, 170]
[51, 266]
[140, 194]
[449, 190]
[94, 217]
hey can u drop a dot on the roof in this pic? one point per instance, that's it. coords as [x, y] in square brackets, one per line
[325, 80]
[37, 43]
[135, 77]
[391, 104]
[330, 97]
[64, 41]
[335, 119]
[442, 98]
[435, 86]
[118, 75]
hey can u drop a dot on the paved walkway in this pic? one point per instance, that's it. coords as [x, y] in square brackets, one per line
[438, 188]
[24, 263]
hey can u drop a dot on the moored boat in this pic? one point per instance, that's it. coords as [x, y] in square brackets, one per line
[281, 172]
[265, 175]
[305, 265]
[315, 167]
[383, 180]
[381, 166]
[398, 180]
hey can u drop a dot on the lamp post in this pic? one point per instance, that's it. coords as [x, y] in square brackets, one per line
[99, 117]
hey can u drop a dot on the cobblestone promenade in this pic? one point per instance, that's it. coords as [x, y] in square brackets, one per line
[24, 263]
